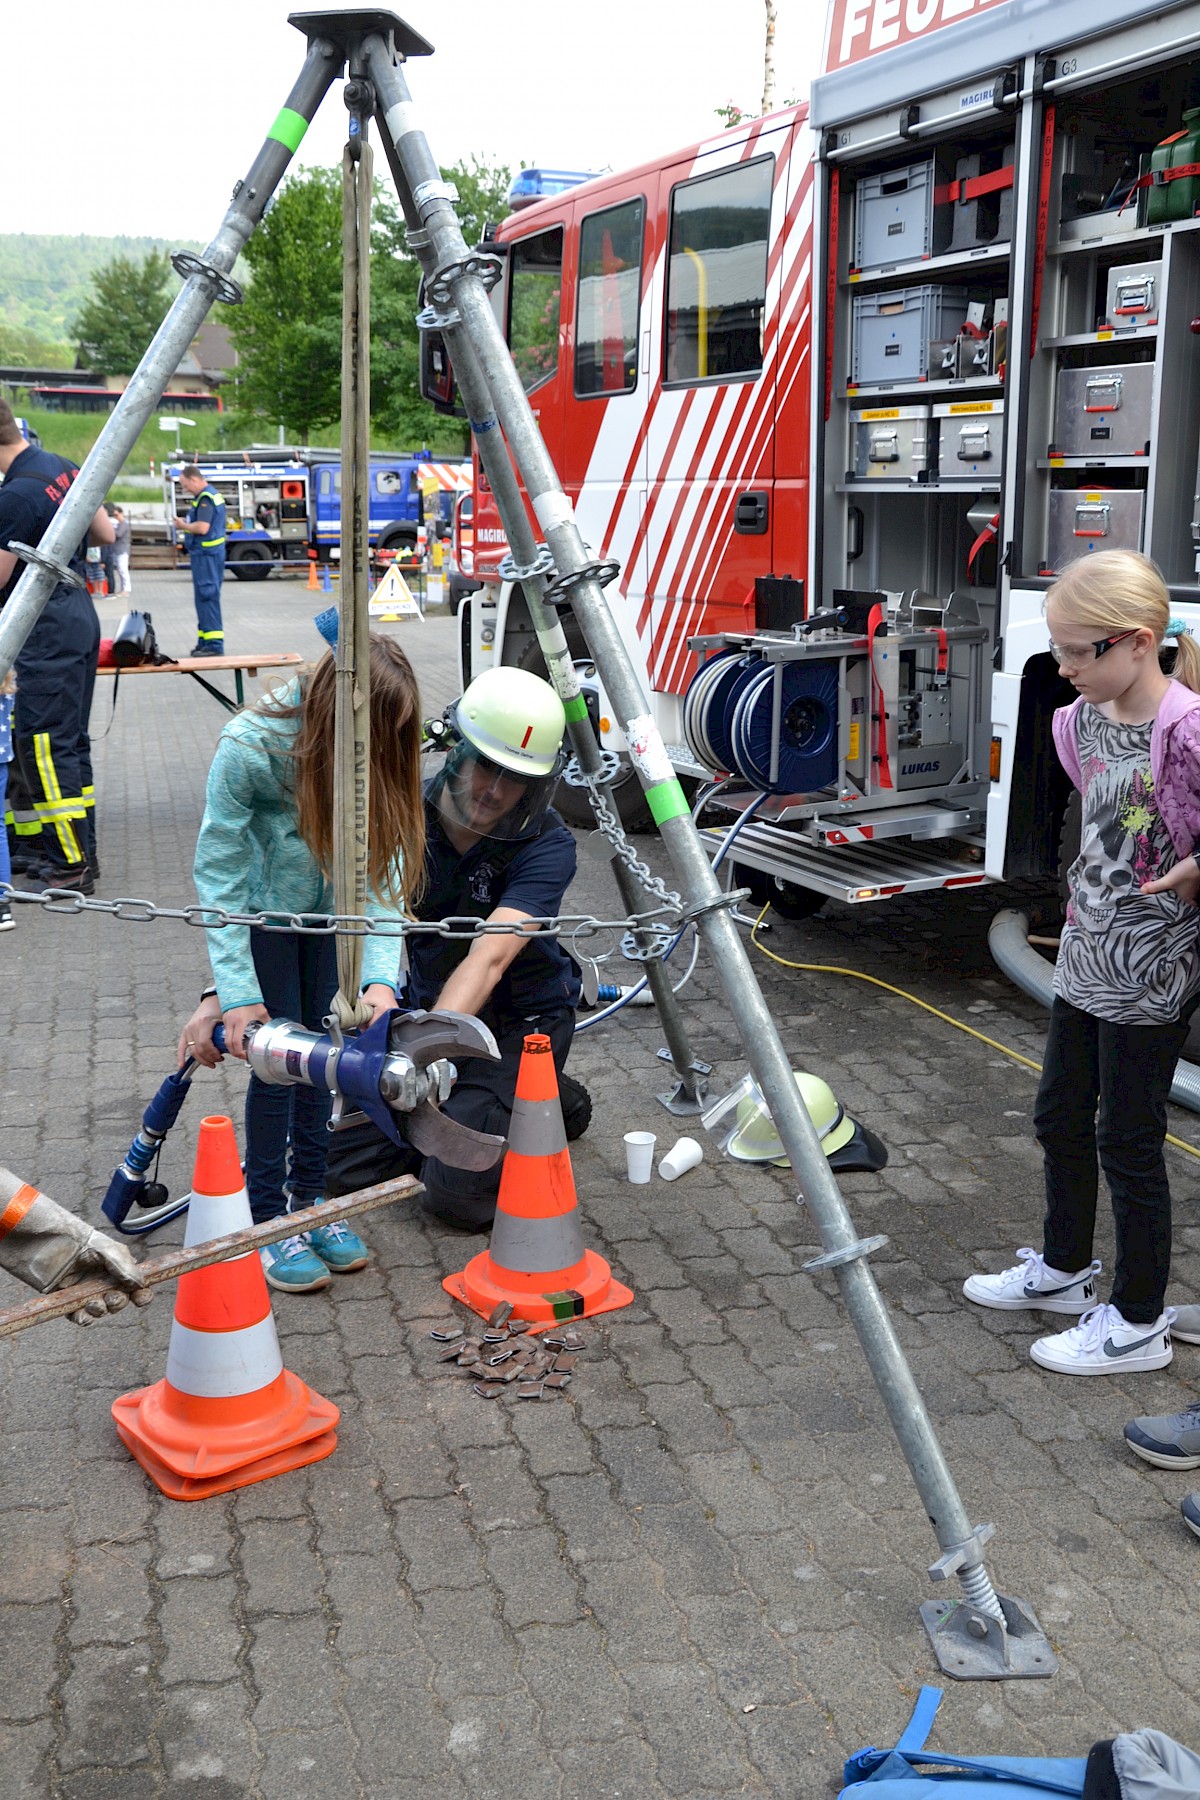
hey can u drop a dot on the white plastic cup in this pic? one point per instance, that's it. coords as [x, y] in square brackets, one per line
[682, 1156]
[639, 1155]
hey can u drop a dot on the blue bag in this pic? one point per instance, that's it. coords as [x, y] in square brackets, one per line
[909, 1772]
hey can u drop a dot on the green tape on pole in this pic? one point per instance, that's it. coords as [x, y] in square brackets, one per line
[666, 801]
[289, 129]
[576, 708]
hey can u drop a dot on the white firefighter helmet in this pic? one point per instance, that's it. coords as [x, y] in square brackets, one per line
[743, 1120]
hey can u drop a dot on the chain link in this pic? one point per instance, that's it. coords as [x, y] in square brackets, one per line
[611, 829]
[665, 919]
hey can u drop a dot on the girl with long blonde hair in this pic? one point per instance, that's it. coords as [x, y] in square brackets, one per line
[1128, 973]
[266, 845]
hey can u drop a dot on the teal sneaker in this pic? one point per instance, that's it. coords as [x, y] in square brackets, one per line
[292, 1268]
[339, 1249]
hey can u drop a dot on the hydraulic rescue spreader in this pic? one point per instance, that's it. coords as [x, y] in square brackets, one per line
[401, 1066]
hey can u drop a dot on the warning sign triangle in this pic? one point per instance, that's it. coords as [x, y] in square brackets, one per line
[393, 599]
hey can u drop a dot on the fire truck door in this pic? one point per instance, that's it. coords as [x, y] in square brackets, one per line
[710, 437]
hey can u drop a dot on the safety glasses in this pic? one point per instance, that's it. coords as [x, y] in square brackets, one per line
[1076, 654]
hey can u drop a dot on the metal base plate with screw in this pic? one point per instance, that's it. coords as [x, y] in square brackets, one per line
[970, 1645]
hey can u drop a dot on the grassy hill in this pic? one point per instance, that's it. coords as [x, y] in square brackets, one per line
[44, 280]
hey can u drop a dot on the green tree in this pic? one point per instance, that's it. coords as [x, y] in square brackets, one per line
[127, 306]
[396, 403]
[288, 332]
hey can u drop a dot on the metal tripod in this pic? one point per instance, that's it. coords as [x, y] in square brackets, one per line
[981, 1635]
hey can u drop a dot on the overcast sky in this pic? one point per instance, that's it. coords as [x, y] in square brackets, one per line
[138, 116]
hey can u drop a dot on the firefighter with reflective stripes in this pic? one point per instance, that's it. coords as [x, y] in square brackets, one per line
[54, 817]
[204, 529]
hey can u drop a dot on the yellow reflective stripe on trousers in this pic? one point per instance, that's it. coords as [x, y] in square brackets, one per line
[49, 811]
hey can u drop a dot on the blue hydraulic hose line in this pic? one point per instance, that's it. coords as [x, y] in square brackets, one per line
[726, 845]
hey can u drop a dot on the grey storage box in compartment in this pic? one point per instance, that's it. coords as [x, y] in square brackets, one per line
[891, 443]
[1103, 411]
[1133, 295]
[891, 332]
[970, 435]
[893, 216]
[1085, 519]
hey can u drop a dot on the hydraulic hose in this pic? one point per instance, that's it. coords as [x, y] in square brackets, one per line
[1008, 942]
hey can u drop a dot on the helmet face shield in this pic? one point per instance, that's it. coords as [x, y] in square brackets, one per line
[478, 795]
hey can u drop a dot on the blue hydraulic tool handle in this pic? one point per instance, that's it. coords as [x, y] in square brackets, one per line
[129, 1188]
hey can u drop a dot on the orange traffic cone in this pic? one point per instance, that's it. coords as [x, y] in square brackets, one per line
[227, 1413]
[313, 585]
[536, 1260]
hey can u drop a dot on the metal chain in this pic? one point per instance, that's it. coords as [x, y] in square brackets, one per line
[611, 829]
[668, 918]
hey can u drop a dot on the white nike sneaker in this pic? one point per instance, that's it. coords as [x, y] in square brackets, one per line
[1033, 1286]
[1104, 1343]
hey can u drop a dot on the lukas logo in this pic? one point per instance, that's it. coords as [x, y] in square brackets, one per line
[925, 768]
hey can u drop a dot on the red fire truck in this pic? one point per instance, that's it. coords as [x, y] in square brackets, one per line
[841, 388]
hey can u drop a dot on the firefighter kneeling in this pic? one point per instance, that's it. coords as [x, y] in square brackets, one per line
[495, 850]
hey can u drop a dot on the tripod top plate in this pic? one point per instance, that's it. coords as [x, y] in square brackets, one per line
[348, 29]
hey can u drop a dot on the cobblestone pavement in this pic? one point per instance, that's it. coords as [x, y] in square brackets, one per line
[699, 1572]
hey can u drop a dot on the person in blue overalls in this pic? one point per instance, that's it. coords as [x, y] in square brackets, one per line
[204, 529]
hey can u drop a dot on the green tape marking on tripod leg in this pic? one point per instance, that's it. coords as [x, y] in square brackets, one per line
[575, 709]
[289, 129]
[666, 800]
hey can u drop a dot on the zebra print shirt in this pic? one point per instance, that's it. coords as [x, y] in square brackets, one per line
[1125, 956]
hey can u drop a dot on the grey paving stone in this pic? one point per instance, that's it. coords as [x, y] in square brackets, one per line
[109, 1594]
[469, 1648]
[400, 1728]
[634, 1607]
[23, 1756]
[595, 1526]
[500, 1494]
[372, 1613]
[198, 1620]
[642, 1467]
[109, 1710]
[497, 1749]
[699, 1749]
[684, 1542]
[206, 1742]
[608, 1771]
[30, 1660]
[35, 1552]
[292, 1656]
[438, 1548]
[535, 1585]
[553, 1439]
[304, 1762]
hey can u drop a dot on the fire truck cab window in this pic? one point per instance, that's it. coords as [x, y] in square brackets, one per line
[606, 313]
[535, 305]
[717, 274]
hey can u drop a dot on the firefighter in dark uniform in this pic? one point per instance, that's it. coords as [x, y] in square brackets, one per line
[56, 672]
[204, 529]
[494, 849]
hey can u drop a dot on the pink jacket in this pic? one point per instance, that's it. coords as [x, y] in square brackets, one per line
[1174, 761]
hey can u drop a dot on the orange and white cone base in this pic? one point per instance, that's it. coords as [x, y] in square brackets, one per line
[227, 1412]
[536, 1259]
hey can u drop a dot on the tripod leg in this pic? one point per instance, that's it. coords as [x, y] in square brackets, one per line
[205, 280]
[453, 282]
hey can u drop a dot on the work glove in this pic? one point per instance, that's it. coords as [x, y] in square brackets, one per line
[48, 1247]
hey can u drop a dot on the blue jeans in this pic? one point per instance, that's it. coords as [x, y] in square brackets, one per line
[286, 1136]
[5, 858]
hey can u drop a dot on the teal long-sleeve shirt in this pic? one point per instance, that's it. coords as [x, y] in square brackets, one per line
[250, 856]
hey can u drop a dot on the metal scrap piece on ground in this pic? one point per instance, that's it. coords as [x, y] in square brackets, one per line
[501, 1313]
[448, 1336]
[174, 1263]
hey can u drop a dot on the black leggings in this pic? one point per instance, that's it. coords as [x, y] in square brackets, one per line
[1124, 1071]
